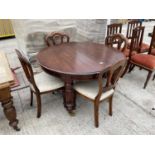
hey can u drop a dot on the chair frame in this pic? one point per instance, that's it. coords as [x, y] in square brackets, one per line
[116, 39]
[113, 73]
[136, 41]
[114, 29]
[52, 36]
[132, 24]
[152, 44]
[30, 76]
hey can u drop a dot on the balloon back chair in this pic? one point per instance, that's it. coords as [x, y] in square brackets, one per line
[40, 83]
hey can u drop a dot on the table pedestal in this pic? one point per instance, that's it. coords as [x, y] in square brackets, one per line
[69, 96]
[8, 108]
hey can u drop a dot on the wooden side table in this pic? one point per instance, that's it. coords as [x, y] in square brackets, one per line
[6, 79]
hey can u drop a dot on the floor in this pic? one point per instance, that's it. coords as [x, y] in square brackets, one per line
[132, 106]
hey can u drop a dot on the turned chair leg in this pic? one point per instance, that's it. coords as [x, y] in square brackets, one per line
[147, 79]
[38, 97]
[110, 105]
[96, 114]
[31, 103]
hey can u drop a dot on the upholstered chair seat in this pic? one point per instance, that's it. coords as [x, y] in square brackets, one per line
[102, 88]
[144, 47]
[46, 82]
[145, 60]
[40, 83]
[90, 89]
[153, 51]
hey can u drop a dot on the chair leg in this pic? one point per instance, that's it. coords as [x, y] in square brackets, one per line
[110, 105]
[131, 68]
[96, 114]
[31, 103]
[38, 97]
[153, 77]
[126, 69]
[147, 79]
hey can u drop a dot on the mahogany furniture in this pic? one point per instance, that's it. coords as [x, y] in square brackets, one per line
[6, 81]
[117, 41]
[77, 61]
[114, 29]
[40, 83]
[101, 89]
[144, 61]
[152, 44]
[56, 38]
[132, 24]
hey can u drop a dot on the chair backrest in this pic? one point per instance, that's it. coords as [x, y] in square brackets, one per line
[152, 44]
[117, 41]
[132, 24]
[56, 38]
[114, 29]
[27, 69]
[113, 74]
[137, 39]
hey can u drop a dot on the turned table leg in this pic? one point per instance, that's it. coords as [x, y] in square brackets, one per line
[8, 108]
[69, 96]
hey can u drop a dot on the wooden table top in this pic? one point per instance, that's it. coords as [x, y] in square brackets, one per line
[78, 58]
[5, 71]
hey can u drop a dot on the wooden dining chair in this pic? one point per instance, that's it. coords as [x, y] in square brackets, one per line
[144, 61]
[114, 29]
[101, 89]
[117, 41]
[56, 38]
[132, 24]
[40, 83]
[152, 44]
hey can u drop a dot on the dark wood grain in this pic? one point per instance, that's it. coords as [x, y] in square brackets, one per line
[117, 41]
[7, 104]
[56, 38]
[114, 28]
[77, 61]
[78, 58]
[30, 77]
[132, 24]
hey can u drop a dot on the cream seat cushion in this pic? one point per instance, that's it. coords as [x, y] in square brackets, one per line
[46, 82]
[90, 89]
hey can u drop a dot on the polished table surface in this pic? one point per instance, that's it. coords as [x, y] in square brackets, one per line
[78, 58]
[77, 61]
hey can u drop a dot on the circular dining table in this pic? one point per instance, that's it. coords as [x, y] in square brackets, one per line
[77, 61]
